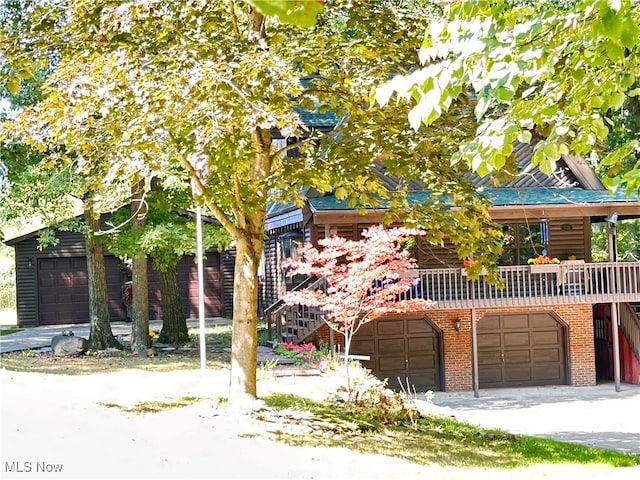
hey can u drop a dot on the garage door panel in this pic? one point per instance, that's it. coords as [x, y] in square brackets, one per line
[418, 326]
[422, 362]
[491, 376]
[390, 328]
[488, 340]
[390, 346]
[490, 322]
[548, 373]
[366, 330]
[47, 298]
[368, 364]
[363, 346]
[546, 338]
[490, 358]
[421, 382]
[519, 339]
[515, 322]
[513, 357]
[518, 374]
[386, 364]
[543, 320]
[421, 344]
[546, 355]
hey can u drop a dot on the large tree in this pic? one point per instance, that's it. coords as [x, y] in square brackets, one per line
[169, 234]
[558, 71]
[155, 84]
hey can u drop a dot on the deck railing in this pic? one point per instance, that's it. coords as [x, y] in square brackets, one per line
[570, 283]
[451, 288]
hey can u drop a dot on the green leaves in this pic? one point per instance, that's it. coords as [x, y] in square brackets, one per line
[556, 71]
[302, 13]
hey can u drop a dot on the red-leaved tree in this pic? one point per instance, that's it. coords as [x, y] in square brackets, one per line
[365, 279]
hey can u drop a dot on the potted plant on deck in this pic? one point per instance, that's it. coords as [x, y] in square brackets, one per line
[543, 263]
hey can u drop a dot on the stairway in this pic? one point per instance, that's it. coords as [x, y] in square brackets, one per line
[630, 329]
[295, 323]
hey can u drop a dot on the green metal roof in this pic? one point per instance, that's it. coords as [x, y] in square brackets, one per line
[313, 118]
[504, 197]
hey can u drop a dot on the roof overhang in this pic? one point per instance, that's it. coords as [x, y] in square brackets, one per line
[507, 204]
[288, 220]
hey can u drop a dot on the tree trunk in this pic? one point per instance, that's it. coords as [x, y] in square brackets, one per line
[140, 340]
[100, 335]
[249, 238]
[244, 341]
[174, 325]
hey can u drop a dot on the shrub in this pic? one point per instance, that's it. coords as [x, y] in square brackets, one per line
[307, 354]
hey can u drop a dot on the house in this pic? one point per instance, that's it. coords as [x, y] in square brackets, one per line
[52, 283]
[549, 325]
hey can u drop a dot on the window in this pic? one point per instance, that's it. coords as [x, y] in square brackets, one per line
[291, 242]
[521, 242]
[290, 246]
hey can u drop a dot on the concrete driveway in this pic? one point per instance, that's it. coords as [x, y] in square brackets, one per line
[594, 416]
[39, 337]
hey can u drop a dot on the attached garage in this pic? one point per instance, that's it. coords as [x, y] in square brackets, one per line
[408, 349]
[521, 349]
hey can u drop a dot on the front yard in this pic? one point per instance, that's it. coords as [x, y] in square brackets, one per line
[170, 400]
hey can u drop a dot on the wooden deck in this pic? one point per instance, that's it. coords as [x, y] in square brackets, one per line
[566, 283]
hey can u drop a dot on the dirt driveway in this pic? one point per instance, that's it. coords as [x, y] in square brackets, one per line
[54, 427]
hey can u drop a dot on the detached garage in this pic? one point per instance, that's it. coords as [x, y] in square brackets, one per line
[52, 283]
[522, 349]
[406, 350]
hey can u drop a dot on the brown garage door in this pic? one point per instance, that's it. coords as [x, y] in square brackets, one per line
[523, 349]
[63, 290]
[405, 348]
[187, 272]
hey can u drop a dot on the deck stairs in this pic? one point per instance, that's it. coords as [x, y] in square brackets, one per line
[295, 323]
[630, 325]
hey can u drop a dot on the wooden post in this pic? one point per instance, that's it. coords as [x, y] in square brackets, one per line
[616, 346]
[203, 343]
[474, 355]
[614, 282]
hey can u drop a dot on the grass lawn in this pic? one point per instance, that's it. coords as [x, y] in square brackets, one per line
[432, 439]
[8, 329]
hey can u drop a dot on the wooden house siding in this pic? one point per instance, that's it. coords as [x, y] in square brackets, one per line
[270, 280]
[570, 236]
[227, 266]
[27, 255]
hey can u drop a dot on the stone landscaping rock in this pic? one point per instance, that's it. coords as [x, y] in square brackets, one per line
[65, 345]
